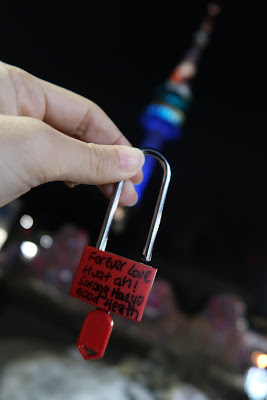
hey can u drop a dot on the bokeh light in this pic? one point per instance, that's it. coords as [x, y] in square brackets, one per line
[28, 249]
[26, 221]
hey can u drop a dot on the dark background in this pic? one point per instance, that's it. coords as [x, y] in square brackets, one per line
[214, 228]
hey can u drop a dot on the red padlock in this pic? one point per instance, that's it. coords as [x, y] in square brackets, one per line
[113, 283]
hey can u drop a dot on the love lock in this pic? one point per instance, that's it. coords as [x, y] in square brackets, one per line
[113, 283]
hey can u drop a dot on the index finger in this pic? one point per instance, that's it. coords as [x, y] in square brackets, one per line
[81, 118]
[77, 116]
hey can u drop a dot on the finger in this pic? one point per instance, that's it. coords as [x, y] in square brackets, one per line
[138, 177]
[128, 195]
[136, 180]
[77, 116]
[70, 184]
[64, 110]
[64, 158]
[35, 153]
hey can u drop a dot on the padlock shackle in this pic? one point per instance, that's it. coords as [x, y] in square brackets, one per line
[147, 252]
[153, 230]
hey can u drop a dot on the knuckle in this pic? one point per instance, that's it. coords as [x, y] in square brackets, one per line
[6, 70]
[27, 95]
[100, 162]
[38, 148]
[14, 74]
[84, 124]
[96, 160]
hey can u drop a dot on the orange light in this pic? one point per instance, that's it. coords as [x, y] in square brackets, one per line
[259, 359]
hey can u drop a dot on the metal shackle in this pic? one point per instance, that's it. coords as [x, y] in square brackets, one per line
[147, 252]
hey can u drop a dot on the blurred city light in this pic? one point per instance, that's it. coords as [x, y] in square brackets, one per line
[259, 359]
[46, 241]
[26, 221]
[256, 384]
[65, 276]
[28, 249]
[3, 237]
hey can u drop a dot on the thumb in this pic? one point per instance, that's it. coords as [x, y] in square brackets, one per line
[69, 159]
[33, 153]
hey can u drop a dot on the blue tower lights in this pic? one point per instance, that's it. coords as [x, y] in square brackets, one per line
[163, 119]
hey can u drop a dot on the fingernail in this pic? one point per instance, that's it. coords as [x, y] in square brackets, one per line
[134, 203]
[138, 177]
[131, 158]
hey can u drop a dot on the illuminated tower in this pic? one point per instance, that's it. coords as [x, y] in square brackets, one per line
[163, 119]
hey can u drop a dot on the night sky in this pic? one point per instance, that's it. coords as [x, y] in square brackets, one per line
[214, 226]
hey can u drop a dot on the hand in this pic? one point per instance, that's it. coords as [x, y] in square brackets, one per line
[48, 133]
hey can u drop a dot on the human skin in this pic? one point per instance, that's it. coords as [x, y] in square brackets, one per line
[48, 133]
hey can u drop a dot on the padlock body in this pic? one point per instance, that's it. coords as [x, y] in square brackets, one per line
[113, 283]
